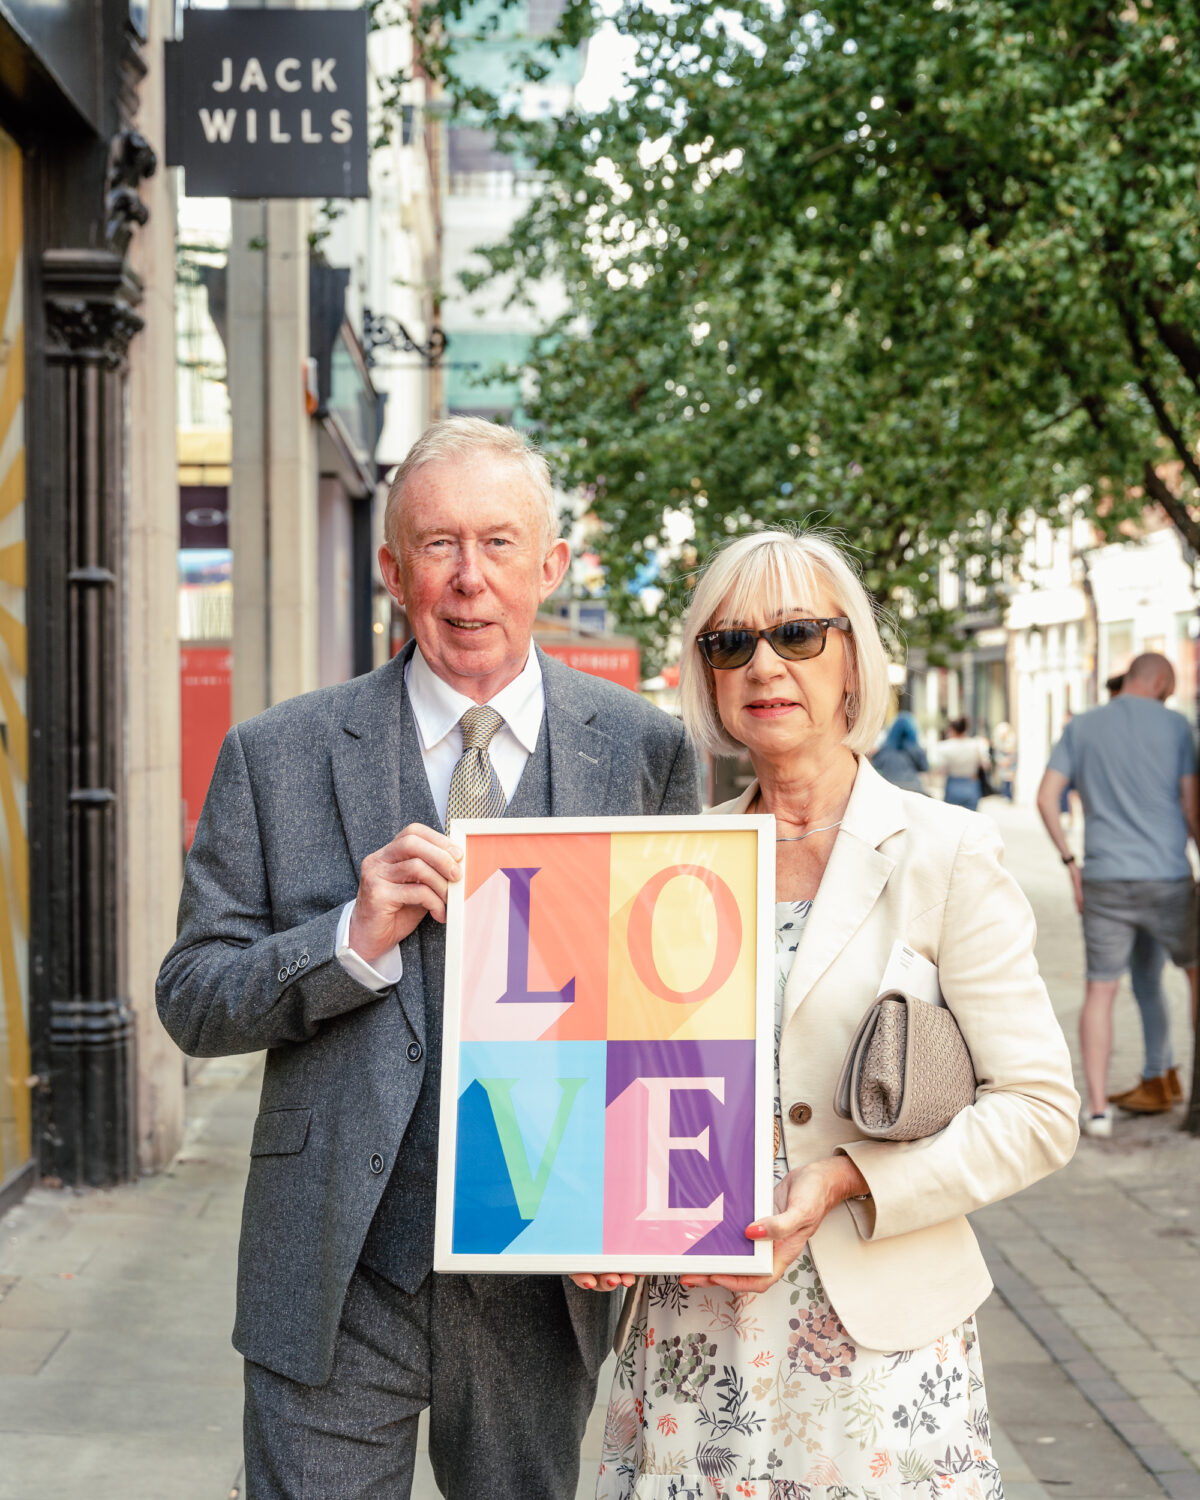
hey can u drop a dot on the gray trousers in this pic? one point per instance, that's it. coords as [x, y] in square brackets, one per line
[496, 1361]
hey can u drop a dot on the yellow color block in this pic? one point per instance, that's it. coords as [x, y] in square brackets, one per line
[681, 935]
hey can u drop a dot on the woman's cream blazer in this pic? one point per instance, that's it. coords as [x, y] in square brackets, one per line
[903, 1266]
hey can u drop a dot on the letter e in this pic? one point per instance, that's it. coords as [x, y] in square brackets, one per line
[660, 1143]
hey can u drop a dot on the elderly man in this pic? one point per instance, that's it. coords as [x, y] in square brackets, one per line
[311, 926]
[1133, 763]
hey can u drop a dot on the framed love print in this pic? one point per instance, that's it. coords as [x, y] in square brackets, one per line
[607, 1065]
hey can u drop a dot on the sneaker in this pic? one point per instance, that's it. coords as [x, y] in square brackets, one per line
[1152, 1096]
[1099, 1126]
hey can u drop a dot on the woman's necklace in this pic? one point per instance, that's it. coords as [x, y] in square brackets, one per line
[796, 837]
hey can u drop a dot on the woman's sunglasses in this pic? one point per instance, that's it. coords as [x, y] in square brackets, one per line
[794, 640]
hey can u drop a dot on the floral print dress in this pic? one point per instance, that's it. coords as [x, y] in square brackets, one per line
[767, 1397]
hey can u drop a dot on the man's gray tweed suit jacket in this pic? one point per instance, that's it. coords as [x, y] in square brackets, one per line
[300, 796]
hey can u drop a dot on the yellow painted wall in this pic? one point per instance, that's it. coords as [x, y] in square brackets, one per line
[14, 740]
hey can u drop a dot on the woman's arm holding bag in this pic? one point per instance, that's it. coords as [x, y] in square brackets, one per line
[1024, 1122]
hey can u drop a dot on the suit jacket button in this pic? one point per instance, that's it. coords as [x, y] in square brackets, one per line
[282, 975]
[414, 1051]
[292, 967]
[376, 1163]
[800, 1114]
[303, 960]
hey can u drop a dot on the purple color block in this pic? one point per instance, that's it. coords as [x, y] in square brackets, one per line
[695, 1181]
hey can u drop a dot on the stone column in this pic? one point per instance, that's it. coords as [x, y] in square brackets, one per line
[273, 493]
[153, 811]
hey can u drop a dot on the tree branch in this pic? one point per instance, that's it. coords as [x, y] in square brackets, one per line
[1166, 424]
[1178, 513]
[1178, 340]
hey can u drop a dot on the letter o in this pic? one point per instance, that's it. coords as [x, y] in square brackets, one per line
[641, 925]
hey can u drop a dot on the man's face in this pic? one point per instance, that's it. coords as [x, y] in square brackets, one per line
[475, 562]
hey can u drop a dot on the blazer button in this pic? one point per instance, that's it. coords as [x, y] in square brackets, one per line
[282, 975]
[413, 1051]
[303, 960]
[376, 1163]
[292, 967]
[800, 1114]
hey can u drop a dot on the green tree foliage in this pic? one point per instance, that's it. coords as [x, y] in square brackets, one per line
[913, 269]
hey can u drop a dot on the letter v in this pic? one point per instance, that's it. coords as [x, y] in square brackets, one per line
[528, 1190]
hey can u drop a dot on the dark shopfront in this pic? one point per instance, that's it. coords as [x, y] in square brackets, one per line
[70, 168]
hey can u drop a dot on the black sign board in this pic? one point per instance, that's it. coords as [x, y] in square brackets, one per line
[269, 103]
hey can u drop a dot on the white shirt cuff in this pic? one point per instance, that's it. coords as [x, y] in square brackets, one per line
[381, 975]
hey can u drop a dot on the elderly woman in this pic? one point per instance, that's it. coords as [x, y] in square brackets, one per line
[853, 1370]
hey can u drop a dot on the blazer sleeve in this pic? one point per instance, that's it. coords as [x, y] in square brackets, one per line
[1024, 1122]
[230, 982]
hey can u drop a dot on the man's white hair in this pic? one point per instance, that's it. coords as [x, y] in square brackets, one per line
[458, 437]
[771, 573]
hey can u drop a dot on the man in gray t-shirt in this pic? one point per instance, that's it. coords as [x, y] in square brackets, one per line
[1133, 763]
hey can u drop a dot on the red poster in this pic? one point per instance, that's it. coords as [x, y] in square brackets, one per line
[206, 703]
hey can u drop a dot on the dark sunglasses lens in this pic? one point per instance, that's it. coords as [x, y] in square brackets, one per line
[797, 639]
[729, 648]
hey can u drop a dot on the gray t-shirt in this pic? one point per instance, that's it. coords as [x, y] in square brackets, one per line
[1125, 761]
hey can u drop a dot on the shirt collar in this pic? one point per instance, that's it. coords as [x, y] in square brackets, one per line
[437, 707]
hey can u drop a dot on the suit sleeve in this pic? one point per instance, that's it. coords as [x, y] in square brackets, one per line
[1024, 1122]
[231, 983]
[681, 795]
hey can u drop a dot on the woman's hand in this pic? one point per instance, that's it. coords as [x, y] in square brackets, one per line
[802, 1199]
[602, 1281]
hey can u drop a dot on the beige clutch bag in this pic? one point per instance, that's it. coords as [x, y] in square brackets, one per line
[908, 1071]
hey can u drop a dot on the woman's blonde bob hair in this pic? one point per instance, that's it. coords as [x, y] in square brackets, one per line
[770, 575]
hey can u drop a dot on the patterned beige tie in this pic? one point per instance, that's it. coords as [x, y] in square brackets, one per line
[475, 790]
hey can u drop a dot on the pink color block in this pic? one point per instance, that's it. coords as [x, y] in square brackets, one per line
[485, 973]
[626, 1127]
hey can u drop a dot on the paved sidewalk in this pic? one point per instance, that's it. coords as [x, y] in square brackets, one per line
[1103, 1259]
[117, 1378]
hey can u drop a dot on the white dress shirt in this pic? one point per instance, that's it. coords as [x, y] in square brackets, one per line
[438, 709]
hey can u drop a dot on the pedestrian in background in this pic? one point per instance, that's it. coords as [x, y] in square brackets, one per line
[1133, 765]
[312, 926]
[901, 759]
[962, 756]
[1146, 965]
[1004, 757]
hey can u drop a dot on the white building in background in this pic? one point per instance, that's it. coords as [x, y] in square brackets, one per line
[486, 191]
[1079, 612]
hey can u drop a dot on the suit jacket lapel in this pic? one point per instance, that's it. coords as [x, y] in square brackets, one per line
[380, 784]
[580, 755]
[856, 874]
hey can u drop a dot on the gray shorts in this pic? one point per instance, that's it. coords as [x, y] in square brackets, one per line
[1114, 911]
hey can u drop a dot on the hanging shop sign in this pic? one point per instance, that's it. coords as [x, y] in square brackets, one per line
[269, 103]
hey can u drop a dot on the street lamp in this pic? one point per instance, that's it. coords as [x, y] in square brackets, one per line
[381, 331]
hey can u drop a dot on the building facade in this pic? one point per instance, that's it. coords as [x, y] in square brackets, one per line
[1079, 612]
[89, 856]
